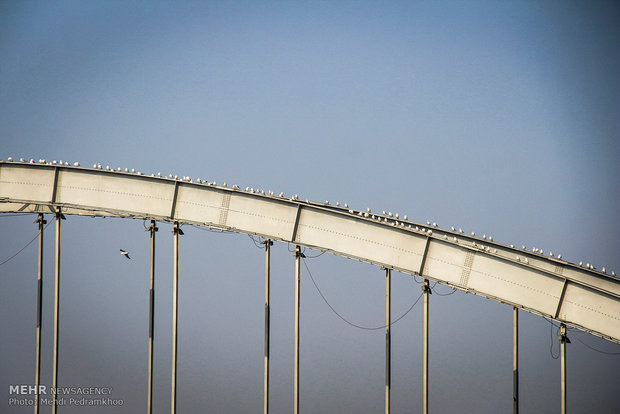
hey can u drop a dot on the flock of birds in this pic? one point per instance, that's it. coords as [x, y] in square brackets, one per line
[385, 217]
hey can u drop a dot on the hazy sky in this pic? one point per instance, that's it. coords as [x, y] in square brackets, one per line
[497, 117]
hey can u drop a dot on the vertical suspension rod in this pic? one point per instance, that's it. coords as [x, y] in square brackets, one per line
[563, 341]
[152, 229]
[515, 360]
[268, 244]
[175, 315]
[427, 291]
[388, 338]
[59, 218]
[37, 376]
[298, 256]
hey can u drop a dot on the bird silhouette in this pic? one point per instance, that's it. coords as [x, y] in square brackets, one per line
[125, 253]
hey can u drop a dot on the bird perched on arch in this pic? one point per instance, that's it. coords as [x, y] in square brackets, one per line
[125, 253]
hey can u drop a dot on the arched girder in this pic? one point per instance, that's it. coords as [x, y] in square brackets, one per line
[584, 298]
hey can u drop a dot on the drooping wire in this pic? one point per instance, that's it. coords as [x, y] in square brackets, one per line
[366, 328]
[256, 243]
[551, 326]
[576, 337]
[316, 255]
[443, 294]
[27, 244]
[594, 349]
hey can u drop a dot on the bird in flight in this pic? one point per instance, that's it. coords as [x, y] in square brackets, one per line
[125, 253]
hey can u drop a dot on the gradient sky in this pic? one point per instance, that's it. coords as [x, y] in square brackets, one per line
[497, 117]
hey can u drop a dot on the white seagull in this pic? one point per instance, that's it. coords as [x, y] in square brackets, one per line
[125, 253]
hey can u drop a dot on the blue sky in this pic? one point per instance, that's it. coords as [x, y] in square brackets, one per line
[497, 117]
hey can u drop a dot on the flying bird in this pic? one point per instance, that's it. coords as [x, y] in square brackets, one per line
[125, 253]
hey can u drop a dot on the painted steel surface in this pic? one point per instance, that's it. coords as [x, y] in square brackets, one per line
[584, 298]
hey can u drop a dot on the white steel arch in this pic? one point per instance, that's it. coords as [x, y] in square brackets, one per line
[554, 288]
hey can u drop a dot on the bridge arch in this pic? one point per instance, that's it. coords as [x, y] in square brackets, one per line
[573, 295]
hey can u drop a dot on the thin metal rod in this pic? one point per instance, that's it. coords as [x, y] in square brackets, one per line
[268, 244]
[427, 292]
[563, 341]
[175, 307]
[388, 338]
[298, 256]
[37, 376]
[59, 218]
[515, 360]
[152, 229]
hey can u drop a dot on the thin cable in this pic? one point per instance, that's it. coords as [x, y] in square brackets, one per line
[28, 244]
[568, 328]
[594, 349]
[317, 255]
[257, 244]
[443, 294]
[351, 323]
[551, 325]
[551, 322]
